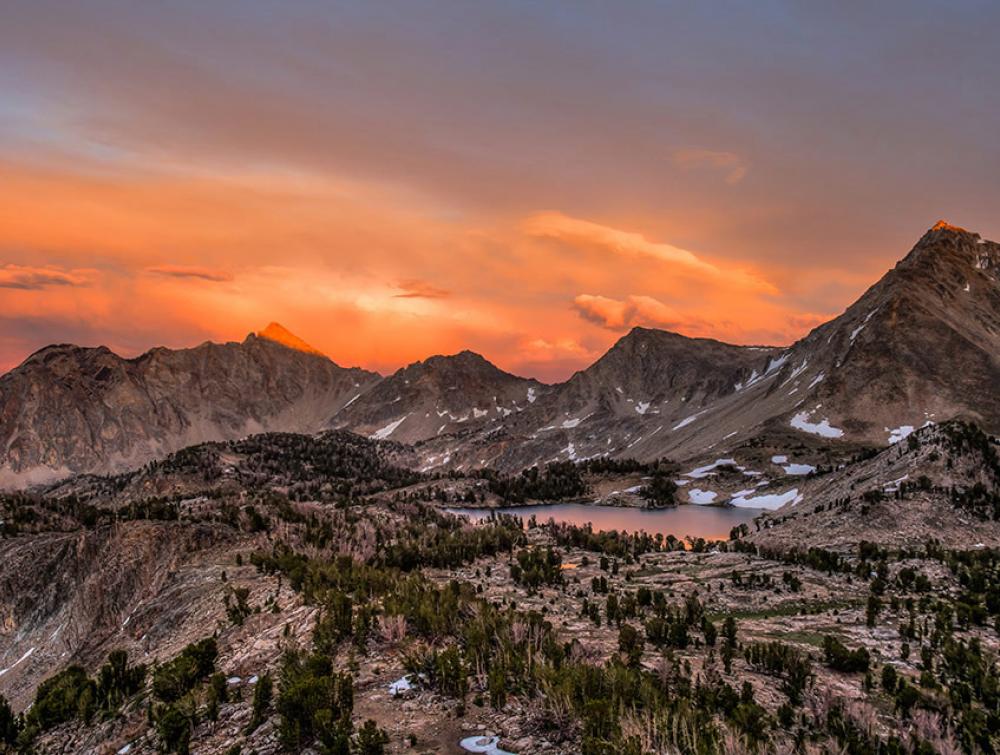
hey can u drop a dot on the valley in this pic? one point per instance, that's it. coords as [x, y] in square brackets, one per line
[295, 554]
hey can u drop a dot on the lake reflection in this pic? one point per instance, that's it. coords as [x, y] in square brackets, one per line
[709, 522]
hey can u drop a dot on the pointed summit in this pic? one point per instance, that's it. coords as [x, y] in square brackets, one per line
[944, 225]
[279, 334]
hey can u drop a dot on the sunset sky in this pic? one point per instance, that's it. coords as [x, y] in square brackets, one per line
[528, 180]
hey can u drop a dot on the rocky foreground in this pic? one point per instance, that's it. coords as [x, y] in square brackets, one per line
[304, 594]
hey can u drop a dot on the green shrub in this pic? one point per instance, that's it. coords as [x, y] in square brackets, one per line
[196, 662]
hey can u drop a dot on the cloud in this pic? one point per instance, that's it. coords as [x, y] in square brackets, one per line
[734, 166]
[616, 314]
[185, 271]
[418, 289]
[584, 233]
[27, 278]
[556, 225]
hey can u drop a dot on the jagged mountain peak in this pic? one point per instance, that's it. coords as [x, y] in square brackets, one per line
[944, 225]
[439, 396]
[72, 409]
[280, 334]
[464, 358]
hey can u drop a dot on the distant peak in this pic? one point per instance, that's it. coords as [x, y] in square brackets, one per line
[280, 334]
[944, 225]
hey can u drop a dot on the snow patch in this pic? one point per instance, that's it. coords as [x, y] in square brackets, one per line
[775, 364]
[791, 467]
[799, 469]
[823, 428]
[686, 421]
[531, 396]
[18, 662]
[701, 472]
[702, 497]
[388, 430]
[899, 433]
[769, 501]
[485, 745]
[893, 487]
[642, 407]
[401, 686]
[854, 333]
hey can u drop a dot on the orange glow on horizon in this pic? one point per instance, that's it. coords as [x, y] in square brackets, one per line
[373, 278]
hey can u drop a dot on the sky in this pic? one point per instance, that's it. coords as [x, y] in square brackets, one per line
[391, 180]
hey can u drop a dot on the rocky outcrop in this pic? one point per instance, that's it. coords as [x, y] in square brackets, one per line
[69, 409]
[442, 395]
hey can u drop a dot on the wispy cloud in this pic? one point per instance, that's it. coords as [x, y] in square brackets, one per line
[188, 272]
[556, 225]
[622, 314]
[584, 233]
[734, 166]
[418, 289]
[28, 278]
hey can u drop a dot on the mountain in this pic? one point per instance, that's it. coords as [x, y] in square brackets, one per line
[920, 346]
[279, 334]
[442, 395]
[70, 409]
[650, 381]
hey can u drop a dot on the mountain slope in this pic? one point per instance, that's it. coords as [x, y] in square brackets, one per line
[438, 396]
[68, 409]
[648, 382]
[921, 345]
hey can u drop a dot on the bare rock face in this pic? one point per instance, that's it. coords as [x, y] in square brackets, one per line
[649, 382]
[920, 346]
[68, 409]
[923, 344]
[438, 396]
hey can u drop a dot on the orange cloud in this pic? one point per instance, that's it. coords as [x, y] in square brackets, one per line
[364, 272]
[418, 289]
[187, 271]
[584, 233]
[561, 227]
[30, 278]
[615, 314]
